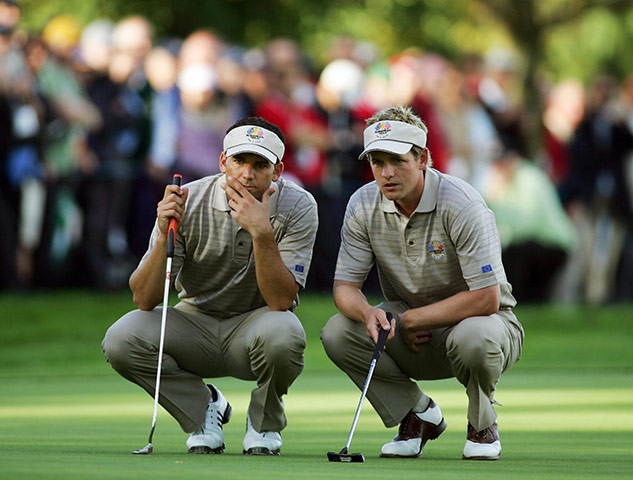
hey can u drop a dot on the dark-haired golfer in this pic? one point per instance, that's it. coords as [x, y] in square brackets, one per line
[243, 250]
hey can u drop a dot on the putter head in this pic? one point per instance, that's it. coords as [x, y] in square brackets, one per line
[146, 450]
[344, 457]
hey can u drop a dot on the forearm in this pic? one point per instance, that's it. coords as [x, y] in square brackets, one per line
[148, 280]
[350, 300]
[454, 309]
[276, 284]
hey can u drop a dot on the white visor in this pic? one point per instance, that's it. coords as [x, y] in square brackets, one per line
[392, 137]
[254, 139]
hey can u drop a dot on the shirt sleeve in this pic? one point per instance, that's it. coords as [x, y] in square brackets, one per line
[355, 256]
[476, 239]
[296, 244]
[179, 251]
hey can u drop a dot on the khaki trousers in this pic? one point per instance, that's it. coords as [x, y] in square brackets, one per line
[476, 351]
[261, 345]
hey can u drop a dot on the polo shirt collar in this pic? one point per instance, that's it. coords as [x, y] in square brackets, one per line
[221, 202]
[427, 202]
[429, 194]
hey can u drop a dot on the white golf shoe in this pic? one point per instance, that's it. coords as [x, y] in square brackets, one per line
[264, 443]
[209, 438]
[415, 430]
[483, 445]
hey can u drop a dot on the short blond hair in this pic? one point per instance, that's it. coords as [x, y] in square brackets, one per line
[401, 113]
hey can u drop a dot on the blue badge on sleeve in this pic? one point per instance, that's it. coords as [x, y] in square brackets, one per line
[486, 268]
[298, 268]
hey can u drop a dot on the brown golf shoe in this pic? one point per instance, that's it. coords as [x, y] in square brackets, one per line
[482, 445]
[415, 430]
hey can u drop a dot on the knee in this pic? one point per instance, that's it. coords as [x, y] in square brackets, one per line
[117, 345]
[115, 348]
[473, 346]
[333, 337]
[284, 340]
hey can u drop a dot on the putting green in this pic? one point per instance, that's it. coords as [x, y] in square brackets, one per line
[567, 405]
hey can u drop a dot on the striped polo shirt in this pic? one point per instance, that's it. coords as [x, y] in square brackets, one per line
[213, 263]
[449, 244]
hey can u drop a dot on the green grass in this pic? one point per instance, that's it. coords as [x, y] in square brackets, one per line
[567, 414]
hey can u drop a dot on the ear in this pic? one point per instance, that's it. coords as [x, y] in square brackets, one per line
[223, 162]
[279, 168]
[424, 158]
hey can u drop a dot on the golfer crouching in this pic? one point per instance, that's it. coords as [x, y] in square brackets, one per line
[438, 255]
[243, 250]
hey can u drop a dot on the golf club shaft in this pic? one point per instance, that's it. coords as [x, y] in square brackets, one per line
[171, 246]
[360, 404]
[382, 338]
[163, 323]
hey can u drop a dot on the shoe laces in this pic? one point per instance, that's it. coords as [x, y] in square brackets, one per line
[404, 425]
[212, 422]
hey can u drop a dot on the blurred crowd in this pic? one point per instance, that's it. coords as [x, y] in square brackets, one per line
[95, 119]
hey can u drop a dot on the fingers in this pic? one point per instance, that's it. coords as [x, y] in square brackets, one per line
[378, 320]
[381, 315]
[268, 193]
[234, 189]
[412, 334]
[392, 330]
[422, 336]
[172, 205]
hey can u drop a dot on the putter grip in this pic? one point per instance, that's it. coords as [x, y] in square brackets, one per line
[382, 338]
[173, 224]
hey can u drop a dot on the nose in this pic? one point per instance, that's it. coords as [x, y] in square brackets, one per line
[246, 171]
[387, 170]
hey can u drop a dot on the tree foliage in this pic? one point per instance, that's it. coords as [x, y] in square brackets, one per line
[558, 38]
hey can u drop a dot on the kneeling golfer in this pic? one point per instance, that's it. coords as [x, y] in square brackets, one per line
[436, 247]
[243, 249]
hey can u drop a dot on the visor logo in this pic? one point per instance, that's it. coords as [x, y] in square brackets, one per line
[383, 129]
[255, 135]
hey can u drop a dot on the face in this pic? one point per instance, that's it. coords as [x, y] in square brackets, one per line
[254, 172]
[399, 177]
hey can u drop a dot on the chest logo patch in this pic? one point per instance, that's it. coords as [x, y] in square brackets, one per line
[436, 249]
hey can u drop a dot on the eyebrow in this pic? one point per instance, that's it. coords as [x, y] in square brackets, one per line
[256, 158]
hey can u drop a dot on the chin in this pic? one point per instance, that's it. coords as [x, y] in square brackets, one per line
[391, 195]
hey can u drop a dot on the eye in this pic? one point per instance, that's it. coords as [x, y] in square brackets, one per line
[262, 165]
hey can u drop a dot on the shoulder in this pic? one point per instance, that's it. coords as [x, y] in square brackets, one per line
[292, 196]
[365, 205]
[203, 184]
[367, 196]
[455, 194]
[202, 191]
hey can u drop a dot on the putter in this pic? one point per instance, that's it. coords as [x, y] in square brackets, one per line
[171, 244]
[344, 456]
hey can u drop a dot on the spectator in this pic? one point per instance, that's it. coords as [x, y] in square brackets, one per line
[23, 193]
[414, 81]
[115, 146]
[535, 232]
[563, 111]
[203, 112]
[596, 190]
[339, 95]
[68, 117]
[500, 94]
[471, 136]
[290, 103]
